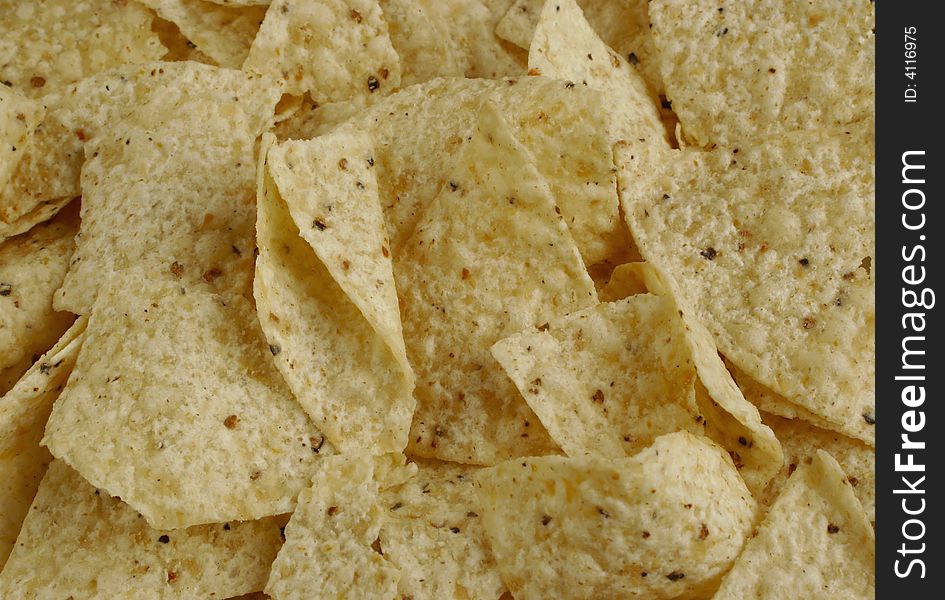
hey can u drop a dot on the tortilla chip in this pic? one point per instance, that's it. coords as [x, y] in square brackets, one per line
[179, 48]
[181, 204]
[621, 24]
[665, 523]
[174, 406]
[32, 267]
[786, 227]
[23, 414]
[49, 44]
[329, 539]
[331, 49]
[625, 280]
[42, 213]
[815, 542]
[433, 533]
[78, 542]
[422, 41]
[489, 258]
[19, 117]
[564, 46]
[224, 33]
[418, 135]
[607, 380]
[54, 155]
[801, 441]
[325, 292]
[737, 71]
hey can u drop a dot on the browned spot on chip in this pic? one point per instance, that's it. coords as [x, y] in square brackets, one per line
[332, 510]
[598, 396]
[355, 16]
[465, 273]
[703, 532]
[37, 82]
[211, 274]
[231, 421]
[533, 72]
[177, 269]
[343, 164]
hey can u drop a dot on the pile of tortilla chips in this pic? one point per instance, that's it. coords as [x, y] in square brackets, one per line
[423, 299]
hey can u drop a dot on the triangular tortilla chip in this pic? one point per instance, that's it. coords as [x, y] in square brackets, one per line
[607, 380]
[23, 414]
[801, 441]
[77, 542]
[32, 267]
[418, 134]
[664, 524]
[786, 228]
[423, 42]
[331, 49]
[738, 71]
[224, 33]
[175, 406]
[564, 46]
[329, 539]
[432, 531]
[815, 542]
[491, 256]
[158, 198]
[331, 314]
[48, 45]
[621, 24]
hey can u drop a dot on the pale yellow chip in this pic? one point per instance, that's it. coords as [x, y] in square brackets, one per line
[175, 406]
[801, 441]
[51, 166]
[78, 542]
[432, 531]
[739, 71]
[179, 48]
[815, 542]
[157, 196]
[489, 257]
[625, 280]
[418, 134]
[224, 33]
[422, 41]
[19, 117]
[607, 380]
[32, 267]
[23, 413]
[324, 289]
[329, 539]
[785, 229]
[666, 523]
[564, 46]
[49, 44]
[331, 49]
[42, 213]
[621, 24]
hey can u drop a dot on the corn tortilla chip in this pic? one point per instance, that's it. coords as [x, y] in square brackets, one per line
[23, 414]
[53, 156]
[32, 267]
[663, 524]
[787, 228]
[422, 41]
[331, 49]
[418, 134]
[179, 48]
[564, 46]
[801, 441]
[182, 204]
[325, 292]
[175, 407]
[49, 44]
[329, 539]
[19, 117]
[78, 542]
[432, 531]
[224, 33]
[490, 257]
[607, 380]
[621, 24]
[625, 280]
[815, 542]
[42, 213]
[739, 71]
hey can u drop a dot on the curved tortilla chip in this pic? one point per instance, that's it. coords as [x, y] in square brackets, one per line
[667, 522]
[174, 406]
[325, 292]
